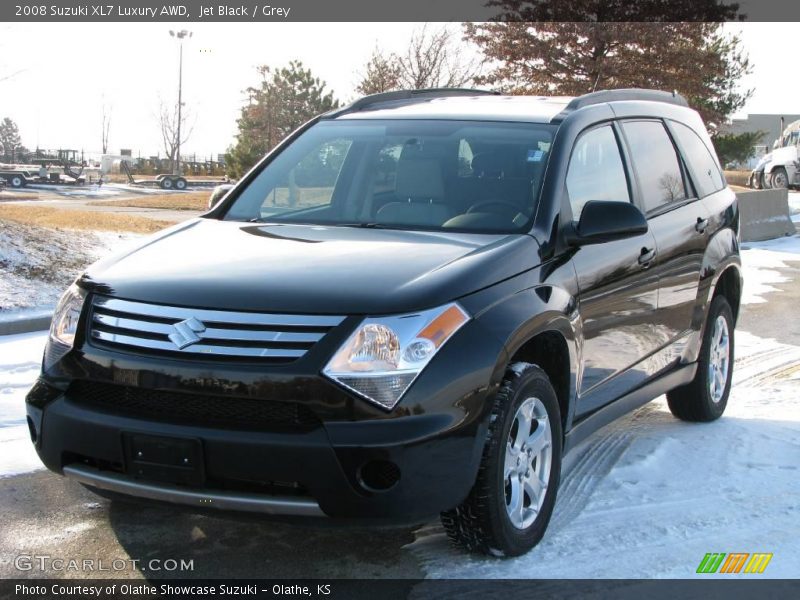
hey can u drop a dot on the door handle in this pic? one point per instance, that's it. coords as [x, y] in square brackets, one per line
[647, 256]
[701, 225]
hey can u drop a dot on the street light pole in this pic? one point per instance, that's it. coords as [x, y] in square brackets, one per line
[180, 35]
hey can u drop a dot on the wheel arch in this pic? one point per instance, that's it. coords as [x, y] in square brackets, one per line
[549, 350]
[728, 283]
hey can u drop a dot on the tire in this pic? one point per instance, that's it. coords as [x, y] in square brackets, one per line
[698, 401]
[483, 522]
[180, 183]
[757, 181]
[779, 180]
[16, 181]
[166, 183]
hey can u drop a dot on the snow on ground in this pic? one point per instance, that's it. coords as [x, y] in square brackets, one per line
[20, 361]
[649, 496]
[37, 264]
[761, 261]
[794, 205]
[90, 190]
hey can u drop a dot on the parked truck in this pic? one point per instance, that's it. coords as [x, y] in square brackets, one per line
[781, 167]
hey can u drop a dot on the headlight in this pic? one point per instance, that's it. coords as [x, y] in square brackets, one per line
[384, 356]
[65, 318]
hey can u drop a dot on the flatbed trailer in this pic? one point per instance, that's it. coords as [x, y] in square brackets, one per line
[167, 182]
[16, 178]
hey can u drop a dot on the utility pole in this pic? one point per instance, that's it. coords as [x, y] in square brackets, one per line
[179, 35]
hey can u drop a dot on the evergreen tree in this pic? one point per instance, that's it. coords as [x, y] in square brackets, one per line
[10, 140]
[284, 100]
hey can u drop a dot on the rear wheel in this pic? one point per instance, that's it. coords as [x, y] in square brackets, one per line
[779, 179]
[180, 183]
[705, 398]
[16, 181]
[166, 183]
[509, 507]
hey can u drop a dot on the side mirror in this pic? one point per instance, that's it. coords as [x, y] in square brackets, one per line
[604, 221]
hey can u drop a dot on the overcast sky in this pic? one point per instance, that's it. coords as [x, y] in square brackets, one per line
[61, 74]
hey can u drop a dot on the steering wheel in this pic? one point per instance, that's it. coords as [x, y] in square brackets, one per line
[498, 207]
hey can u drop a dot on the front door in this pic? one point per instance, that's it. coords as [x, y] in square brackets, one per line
[617, 290]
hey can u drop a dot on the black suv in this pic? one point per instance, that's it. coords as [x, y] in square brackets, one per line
[414, 305]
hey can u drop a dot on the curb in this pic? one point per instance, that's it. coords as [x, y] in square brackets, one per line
[28, 323]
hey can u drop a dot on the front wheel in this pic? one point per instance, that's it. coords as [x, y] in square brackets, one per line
[705, 398]
[509, 507]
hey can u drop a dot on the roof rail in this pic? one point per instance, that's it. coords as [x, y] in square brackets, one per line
[604, 96]
[400, 95]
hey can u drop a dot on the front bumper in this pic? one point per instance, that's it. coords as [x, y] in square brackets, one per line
[425, 453]
[320, 472]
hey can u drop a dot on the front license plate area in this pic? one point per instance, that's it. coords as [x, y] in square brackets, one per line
[164, 459]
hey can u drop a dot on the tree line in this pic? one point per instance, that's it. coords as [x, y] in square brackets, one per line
[542, 58]
[531, 52]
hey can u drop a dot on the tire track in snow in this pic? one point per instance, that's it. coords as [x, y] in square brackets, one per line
[596, 460]
[764, 366]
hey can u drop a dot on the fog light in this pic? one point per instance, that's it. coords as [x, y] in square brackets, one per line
[378, 475]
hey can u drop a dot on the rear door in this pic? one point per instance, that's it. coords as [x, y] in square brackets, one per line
[679, 220]
[617, 291]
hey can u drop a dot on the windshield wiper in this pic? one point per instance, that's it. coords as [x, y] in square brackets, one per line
[363, 225]
[360, 225]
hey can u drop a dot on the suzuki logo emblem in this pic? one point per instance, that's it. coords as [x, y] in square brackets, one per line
[185, 333]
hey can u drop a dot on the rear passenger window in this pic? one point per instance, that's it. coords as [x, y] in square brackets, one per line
[700, 160]
[656, 164]
[596, 171]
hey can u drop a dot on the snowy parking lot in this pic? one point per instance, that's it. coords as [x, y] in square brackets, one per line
[647, 496]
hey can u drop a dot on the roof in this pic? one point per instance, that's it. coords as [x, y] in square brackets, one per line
[464, 104]
[534, 109]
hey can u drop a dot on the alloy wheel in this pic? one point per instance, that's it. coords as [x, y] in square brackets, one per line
[719, 359]
[528, 460]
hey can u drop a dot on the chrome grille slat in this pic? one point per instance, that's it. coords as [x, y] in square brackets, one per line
[155, 328]
[216, 316]
[210, 332]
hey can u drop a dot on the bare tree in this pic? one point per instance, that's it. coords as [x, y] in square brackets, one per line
[436, 58]
[381, 74]
[168, 125]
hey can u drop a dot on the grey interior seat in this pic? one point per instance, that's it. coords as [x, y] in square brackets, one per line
[419, 187]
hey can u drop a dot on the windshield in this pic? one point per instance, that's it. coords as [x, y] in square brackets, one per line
[441, 175]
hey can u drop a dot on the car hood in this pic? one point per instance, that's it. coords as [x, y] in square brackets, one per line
[309, 269]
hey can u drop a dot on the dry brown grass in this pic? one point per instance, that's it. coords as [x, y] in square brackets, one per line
[79, 219]
[187, 201]
[6, 196]
[740, 178]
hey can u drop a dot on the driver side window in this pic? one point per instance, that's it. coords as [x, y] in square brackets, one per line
[596, 171]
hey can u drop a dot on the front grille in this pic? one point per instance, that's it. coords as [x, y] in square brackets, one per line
[180, 408]
[190, 332]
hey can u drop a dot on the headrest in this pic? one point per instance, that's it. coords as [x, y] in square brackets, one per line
[490, 165]
[419, 178]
